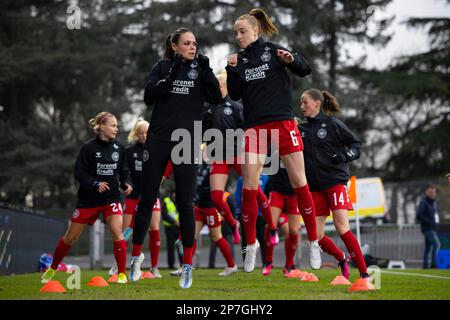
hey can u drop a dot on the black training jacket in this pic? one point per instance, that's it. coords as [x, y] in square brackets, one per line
[225, 116]
[324, 137]
[98, 161]
[426, 214]
[202, 198]
[261, 80]
[182, 104]
[135, 159]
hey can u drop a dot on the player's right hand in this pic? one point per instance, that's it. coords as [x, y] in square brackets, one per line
[103, 186]
[232, 60]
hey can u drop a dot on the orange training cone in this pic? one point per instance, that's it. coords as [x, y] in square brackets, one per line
[361, 285]
[340, 281]
[98, 281]
[301, 274]
[291, 274]
[309, 277]
[296, 273]
[113, 278]
[148, 275]
[53, 286]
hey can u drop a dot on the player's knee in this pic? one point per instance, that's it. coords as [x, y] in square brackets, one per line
[342, 228]
[215, 237]
[293, 229]
[116, 234]
[297, 179]
[70, 240]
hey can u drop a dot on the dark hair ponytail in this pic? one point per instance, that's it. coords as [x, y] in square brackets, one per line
[174, 37]
[328, 102]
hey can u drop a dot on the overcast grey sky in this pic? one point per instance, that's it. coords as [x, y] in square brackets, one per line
[405, 40]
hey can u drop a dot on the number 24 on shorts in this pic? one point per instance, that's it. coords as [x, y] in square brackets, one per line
[116, 207]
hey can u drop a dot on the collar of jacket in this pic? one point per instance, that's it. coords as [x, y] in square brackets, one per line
[100, 141]
[321, 116]
[429, 199]
[254, 45]
[185, 62]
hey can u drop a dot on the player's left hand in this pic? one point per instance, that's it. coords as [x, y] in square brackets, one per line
[127, 190]
[339, 158]
[285, 56]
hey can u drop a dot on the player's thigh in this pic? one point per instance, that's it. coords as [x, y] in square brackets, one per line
[73, 232]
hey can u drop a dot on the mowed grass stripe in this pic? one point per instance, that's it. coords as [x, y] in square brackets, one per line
[208, 285]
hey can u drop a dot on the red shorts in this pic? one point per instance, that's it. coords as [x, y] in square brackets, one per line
[209, 216]
[90, 215]
[283, 219]
[257, 138]
[130, 206]
[334, 198]
[223, 167]
[287, 204]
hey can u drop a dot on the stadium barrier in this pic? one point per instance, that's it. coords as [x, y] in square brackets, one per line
[24, 236]
[384, 243]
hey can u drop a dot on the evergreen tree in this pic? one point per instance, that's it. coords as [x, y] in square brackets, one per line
[52, 80]
[413, 106]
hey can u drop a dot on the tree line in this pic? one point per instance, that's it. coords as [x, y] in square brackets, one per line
[53, 79]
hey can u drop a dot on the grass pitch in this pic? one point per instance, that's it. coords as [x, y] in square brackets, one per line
[207, 285]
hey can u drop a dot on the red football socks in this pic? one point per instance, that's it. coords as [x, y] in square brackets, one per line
[222, 206]
[60, 252]
[249, 214]
[291, 247]
[269, 246]
[154, 245]
[330, 247]
[352, 245]
[187, 255]
[306, 207]
[226, 251]
[137, 249]
[263, 205]
[120, 253]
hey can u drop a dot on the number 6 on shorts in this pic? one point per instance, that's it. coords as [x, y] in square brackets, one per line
[294, 138]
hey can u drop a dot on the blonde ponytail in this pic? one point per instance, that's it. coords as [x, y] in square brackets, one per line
[259, 18]
[99, 119]
[266, 24]
[133, 135]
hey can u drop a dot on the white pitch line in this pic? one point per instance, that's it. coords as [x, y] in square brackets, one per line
[416, 275]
